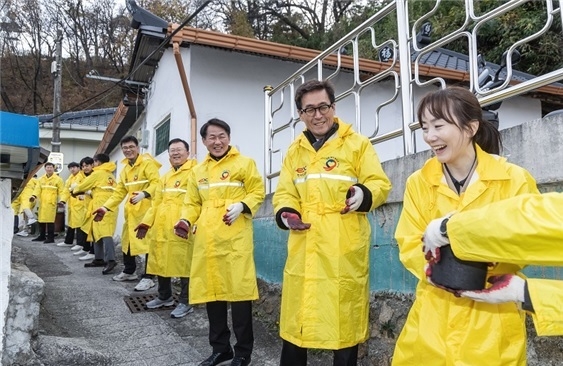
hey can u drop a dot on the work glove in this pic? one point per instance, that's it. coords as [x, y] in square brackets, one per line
[136, 197]
[32, 199]
[505, 288]
[353, 202]
[293, 221]
[81, 197]
[233, 212]
[99, 214]
[433, 240]
[141, 230]
[72, 186]
[182, 229]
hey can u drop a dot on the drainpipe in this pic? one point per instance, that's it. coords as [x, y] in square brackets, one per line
[188, 93]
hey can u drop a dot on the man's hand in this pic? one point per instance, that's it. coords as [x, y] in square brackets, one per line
[293, 221]
[72, 186]
[137, 197]
[99, 214]
[32, 199]
[434, 239]
[182, 229]
[141, 230]
[353, 202]
[505, 288]
[233, 212]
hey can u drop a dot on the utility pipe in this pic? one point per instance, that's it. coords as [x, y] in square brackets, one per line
[188, 93]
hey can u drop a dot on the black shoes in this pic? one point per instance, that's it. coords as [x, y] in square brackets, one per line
[109, 267]
[49, 241]
[218, 358]
[95, 263]
[240, 361]
[39, 238]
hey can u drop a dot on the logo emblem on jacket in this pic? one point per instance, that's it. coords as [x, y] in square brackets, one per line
[330, 164]
[110, 181]
[135, 177]
[177, 184]
[202, 181]
[301, 171]
[225, 175]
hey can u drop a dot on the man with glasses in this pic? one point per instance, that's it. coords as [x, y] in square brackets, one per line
[138, 181]
[223, 194]
[169, 255]
[330, 179]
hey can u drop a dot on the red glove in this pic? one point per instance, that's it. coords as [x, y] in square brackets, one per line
[293, 221]
[182, 229]
[99, 214]
[141, 230]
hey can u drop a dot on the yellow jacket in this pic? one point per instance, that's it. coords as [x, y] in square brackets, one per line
[47, 191]
[223, 260]
[442, 329]
[169, 255]
[325, 294]
[527, 230]
[76, 207]
[102, 184]
[26, 193]
[141, 176]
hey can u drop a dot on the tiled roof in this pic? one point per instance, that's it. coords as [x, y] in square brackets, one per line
[92, 118]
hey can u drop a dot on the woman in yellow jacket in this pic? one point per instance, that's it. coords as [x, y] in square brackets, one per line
[224, 192]
[101, 184]
[442, 329]
[524, 230]
[169, 255]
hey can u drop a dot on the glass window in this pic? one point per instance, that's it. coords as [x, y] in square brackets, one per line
[162, 137]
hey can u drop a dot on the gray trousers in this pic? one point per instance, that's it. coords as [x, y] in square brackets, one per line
[165, 289]
[104, 249]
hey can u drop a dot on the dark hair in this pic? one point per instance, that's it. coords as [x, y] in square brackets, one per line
[129, 138]
[73, 164]
[456, 103]
[214, 122]
[173, 141]
[49, 163]
[102, 158]
[86, 160]
[313, 85]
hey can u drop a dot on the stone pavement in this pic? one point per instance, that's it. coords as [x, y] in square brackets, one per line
[86, 312]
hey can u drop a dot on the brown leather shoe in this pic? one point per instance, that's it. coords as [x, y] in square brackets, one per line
[109, 267]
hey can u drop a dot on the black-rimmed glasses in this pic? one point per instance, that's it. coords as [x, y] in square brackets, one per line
[311, 111]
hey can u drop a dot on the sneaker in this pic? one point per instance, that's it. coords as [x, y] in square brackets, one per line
[181, 311]
[87, 257]
[124, 277]
[22, 233]
[76, 247]
[80, 252]
[218, 358]
[63, 244]
[31, 221]
[241, 361]
[144, 284]
[158, 303]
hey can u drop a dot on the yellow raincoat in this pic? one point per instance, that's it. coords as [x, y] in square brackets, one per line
[169, 255]
[48, 190]
[223, 258]
[141, 176]
[102, 184]
[76, 207]
[325, 294]
[16, 205]
[527, 230]
[442, 329]
[26, 193]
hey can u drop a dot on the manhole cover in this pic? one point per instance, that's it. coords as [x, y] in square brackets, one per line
[136, 304]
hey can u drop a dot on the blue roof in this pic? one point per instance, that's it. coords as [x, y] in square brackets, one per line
[18, 130]
[93, 117]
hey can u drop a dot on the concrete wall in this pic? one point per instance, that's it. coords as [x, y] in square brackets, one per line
[534, 145]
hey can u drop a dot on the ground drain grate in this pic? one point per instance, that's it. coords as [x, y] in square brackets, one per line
[136, 304]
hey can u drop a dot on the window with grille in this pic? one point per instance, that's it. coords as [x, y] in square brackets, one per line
[162, 136]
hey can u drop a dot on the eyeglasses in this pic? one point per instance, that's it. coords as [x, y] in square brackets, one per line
[130, 147]
[311, 111]
[173, 151]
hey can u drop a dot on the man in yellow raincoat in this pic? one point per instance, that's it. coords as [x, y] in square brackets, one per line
[83, 247]
[101, 184]
[138, 182]
[169, 255]
[50, 186]
[25, 207]
[330, 179]
[224, 192]
[523, 230]
[76, 208]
